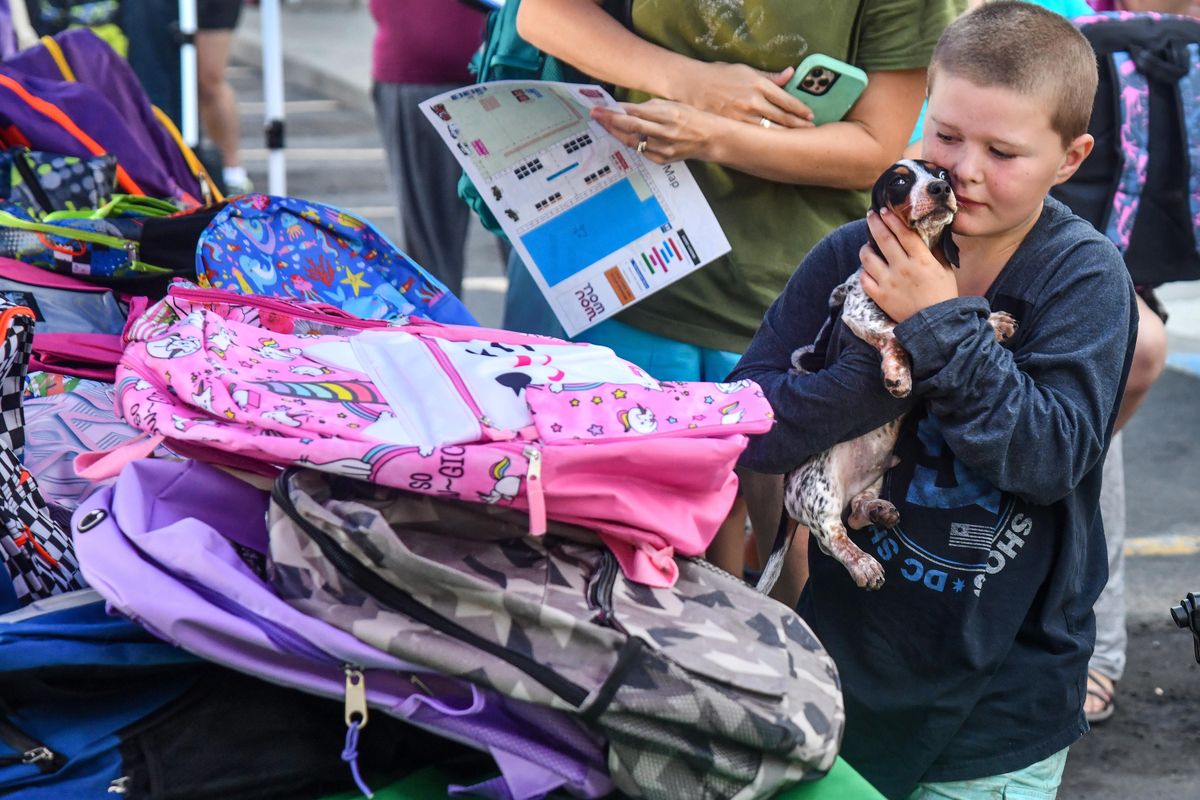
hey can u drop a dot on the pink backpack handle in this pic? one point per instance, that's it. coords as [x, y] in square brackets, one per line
[104, 464]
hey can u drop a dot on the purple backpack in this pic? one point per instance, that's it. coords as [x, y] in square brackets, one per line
[61, 116]
[192, 571]
[79, 55]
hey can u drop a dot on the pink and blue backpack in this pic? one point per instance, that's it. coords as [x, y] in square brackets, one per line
[1141, 184]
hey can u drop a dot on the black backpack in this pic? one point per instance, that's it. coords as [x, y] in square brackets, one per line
[1141, 184]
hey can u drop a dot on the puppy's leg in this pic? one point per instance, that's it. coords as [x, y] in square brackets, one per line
[897, 367]
[865, 570]
[1003, 324]
[868, 508]
[814, 500]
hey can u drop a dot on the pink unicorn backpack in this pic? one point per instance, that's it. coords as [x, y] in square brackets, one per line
[567, 431]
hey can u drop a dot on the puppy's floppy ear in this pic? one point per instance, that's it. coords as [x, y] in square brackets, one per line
[878, 203]
[949, 248]
[879, 191]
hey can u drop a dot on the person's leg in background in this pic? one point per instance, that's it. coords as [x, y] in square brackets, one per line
[1107, 664]
[423, 174]
[218, 103]
[1149, 358]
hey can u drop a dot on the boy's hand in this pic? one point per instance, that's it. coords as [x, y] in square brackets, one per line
[908, 278]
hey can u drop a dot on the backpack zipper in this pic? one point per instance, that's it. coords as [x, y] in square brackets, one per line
[399, 600]
[356, 696]
[287, 307]
[112, 242]
[488, 428]
[534, 491]
[29, 750]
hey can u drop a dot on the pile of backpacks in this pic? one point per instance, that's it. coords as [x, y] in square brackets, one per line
[280, 520]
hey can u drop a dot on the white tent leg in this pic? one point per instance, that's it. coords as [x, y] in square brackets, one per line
[188, 79]
[272, 68]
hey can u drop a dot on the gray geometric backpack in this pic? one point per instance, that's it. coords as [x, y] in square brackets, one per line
[707, 689]
[37, 555]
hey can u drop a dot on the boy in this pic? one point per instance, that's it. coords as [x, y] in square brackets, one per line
[964, 675]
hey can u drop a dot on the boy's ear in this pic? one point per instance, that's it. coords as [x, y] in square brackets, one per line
[1079, 149]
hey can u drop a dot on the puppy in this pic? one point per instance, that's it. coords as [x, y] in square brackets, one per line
[851, 473]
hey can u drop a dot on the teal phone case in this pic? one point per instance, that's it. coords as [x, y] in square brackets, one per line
[828, 86]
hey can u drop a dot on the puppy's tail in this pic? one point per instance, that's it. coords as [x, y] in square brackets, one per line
[774, 566]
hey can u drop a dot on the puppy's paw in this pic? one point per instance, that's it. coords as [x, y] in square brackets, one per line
[883, 513]
[1003, 324]
[799, 353]
[898, 384]
[866, 572]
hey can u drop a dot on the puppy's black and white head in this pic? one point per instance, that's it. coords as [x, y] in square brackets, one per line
[919, 193]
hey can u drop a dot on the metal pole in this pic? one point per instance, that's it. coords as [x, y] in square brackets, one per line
[189, 89]
[272, 68]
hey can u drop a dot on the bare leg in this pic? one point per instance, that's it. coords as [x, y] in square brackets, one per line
[728, 547]
[218, 105]
[1149, 357]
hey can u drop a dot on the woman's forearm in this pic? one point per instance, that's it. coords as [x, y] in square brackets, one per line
[581, 33]
[847, 155]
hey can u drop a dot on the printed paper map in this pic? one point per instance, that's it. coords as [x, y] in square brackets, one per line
[599, 226]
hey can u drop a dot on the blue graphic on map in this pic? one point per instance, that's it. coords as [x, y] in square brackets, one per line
[572, 241]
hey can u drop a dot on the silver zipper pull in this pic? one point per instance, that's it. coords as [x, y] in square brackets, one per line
[37, 754]
[119, 786]
[356, 698]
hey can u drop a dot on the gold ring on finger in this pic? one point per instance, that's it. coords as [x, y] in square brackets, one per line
[641, 146]
[766, 123]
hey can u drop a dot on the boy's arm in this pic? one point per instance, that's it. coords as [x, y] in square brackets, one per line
[813, 411]
[1032, 422]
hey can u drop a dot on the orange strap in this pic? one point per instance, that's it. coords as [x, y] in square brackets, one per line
[55, 114]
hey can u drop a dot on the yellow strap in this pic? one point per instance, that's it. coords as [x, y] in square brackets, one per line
[190, 157]
[59, 58]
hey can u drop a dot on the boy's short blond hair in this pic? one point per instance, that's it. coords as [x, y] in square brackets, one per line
[1028, 49]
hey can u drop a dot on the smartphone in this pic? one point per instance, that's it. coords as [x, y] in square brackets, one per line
[828, 86]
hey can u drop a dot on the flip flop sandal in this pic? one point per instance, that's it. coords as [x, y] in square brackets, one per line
[1100, 686]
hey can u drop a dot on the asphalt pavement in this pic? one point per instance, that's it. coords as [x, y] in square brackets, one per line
[1150, 748]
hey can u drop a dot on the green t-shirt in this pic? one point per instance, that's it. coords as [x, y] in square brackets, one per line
[771, 226]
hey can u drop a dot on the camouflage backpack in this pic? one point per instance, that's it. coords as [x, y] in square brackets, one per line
[707, 689]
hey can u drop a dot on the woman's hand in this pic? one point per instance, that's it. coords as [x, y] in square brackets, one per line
[908, 278]
[672, 131]
[741, 93]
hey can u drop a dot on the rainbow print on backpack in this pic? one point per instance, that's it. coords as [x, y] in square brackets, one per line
[311, 252]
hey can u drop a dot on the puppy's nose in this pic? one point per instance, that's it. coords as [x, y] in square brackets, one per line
[939, 189]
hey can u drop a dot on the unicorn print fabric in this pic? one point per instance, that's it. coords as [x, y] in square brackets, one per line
[470, 413]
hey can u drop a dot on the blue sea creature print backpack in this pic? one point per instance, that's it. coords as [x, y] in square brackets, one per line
[302, 250]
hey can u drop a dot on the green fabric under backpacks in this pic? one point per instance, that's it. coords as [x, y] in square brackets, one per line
[505, 56]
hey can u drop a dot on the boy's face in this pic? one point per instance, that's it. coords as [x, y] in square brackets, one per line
[1000, 151]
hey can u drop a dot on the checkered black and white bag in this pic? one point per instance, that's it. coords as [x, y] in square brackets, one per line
[37, 554]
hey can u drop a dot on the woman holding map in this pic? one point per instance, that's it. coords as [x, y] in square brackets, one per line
[704, 81]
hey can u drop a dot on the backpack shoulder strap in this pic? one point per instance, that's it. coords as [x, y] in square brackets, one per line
[1133, 126]
[1189, 101]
